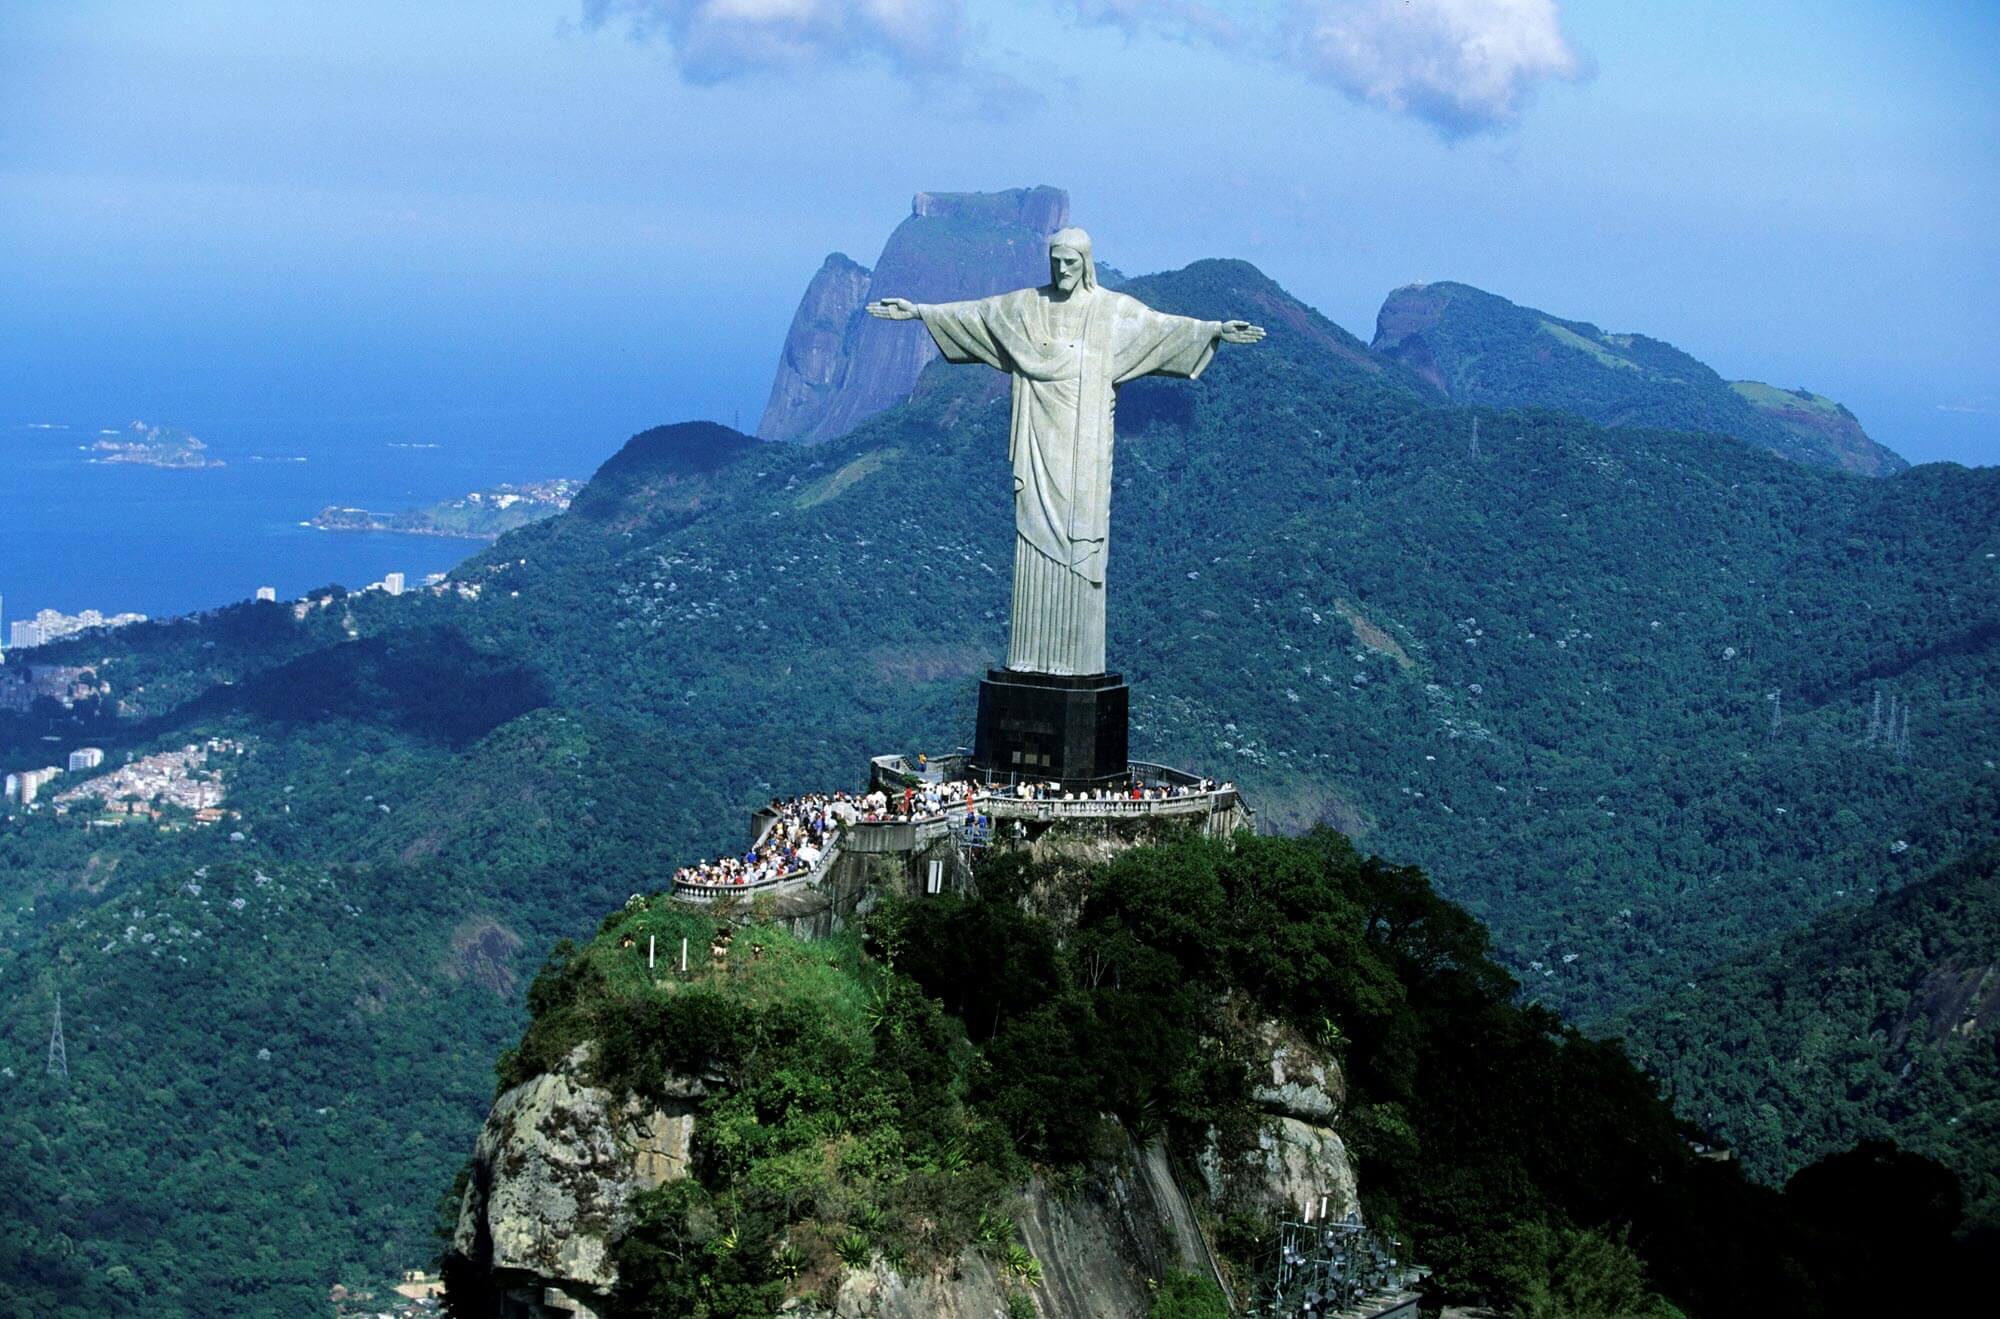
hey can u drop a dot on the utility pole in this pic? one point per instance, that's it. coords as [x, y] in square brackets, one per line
[1777, 699]
[1875, 719]
[1475, 437]
[58, 1053]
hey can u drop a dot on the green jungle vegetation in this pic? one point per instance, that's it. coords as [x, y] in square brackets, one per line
[1480, 348]
[886, 1094]
[1542, 671]
[1882, 1023]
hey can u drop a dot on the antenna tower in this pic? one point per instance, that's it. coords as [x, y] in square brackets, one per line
[58, 1052]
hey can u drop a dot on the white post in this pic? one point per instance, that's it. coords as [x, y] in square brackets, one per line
[684, 954]
[650, 940]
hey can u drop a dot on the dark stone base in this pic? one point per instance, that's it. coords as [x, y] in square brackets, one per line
[1040, 726]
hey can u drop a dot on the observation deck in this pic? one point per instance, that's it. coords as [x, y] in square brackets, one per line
[875, 827]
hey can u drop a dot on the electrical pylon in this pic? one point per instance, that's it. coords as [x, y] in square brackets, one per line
[58, 1052]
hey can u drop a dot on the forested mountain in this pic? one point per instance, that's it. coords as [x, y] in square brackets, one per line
[1542, 665]
[1480, 348]
[1614, 687]
[884, 1093]
[1881, 1023]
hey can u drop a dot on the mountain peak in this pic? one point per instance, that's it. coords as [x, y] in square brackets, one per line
[1041, 208]
[840, 366]
[665, 469]
[1478, 347]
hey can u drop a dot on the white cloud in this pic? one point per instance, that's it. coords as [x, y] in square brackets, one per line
[716, 39]
[1463, 65]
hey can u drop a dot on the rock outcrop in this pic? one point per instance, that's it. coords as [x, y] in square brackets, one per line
[1099, 1246]
[559, 1160]
[553, 1176]
[813, 363]
[841, 366]
[1299, 1163]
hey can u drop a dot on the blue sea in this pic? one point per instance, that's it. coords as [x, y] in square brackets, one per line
[78, 535]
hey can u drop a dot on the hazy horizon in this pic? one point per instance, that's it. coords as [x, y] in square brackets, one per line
[603, 212]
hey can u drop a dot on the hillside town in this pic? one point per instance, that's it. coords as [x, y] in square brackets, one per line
[151, 786]
[51, 625]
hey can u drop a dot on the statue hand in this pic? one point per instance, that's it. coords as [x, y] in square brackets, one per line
[893, 309]
[1241, 332]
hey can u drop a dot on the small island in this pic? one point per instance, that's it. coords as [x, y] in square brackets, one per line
[480, 515]
[152, 446]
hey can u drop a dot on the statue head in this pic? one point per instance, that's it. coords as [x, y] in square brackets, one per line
[1070, 266]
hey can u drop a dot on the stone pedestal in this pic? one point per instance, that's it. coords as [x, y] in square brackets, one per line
[1042, 726]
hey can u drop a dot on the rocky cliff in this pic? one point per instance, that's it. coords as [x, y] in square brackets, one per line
[840, 366]
[561, 1158]
[552, 1180]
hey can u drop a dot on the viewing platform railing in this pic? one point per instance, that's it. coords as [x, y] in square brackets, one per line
[1002, 807]
[696, 891]
[889, 833]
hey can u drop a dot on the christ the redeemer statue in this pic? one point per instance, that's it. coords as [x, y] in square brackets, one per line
[1069, 345]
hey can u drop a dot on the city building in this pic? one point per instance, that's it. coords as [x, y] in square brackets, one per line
[49, 625]
[25, 785]
[85, 758]
[267, 593]
[392, 583]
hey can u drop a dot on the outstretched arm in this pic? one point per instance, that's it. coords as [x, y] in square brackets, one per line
[1238, 332]
[898, 309]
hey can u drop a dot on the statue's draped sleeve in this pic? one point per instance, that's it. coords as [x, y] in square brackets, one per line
[1153, 343]
[988, 330]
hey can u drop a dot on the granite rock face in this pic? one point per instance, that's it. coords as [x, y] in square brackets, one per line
[1299, 1161]
[840, 366]
[554, 1172]
[814, 360]
[1099, 1246]
[559, 1161]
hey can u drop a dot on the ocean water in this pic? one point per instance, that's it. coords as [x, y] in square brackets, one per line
[76, 535]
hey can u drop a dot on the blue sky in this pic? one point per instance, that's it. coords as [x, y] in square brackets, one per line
[600, 213]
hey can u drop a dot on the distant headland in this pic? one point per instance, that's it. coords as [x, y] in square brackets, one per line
[480, 515]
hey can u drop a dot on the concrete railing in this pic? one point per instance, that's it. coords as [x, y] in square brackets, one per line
[890, 835]
[1017, 808]
[695, 891]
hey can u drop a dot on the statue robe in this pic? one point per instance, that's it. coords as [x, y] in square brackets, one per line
[1059, 443]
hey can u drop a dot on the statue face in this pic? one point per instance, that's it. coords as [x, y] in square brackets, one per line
[1065, 268]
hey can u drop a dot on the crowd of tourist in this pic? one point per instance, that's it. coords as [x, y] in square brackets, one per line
[802, 829]
[1135, 791]
[921, 801]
